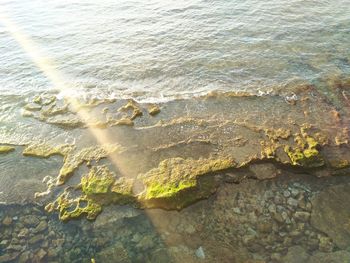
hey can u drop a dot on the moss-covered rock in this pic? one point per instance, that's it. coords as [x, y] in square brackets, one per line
[104, 187]
[98, 181]
[6, 149]
[44, 150]
[177, 183]
[71, 208]
[305, 153]
[99, 187]
[73, 160]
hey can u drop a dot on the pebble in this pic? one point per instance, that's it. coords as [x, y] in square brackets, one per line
[24, 257]
[292, 202]
[40, 227]
[294, 192]
[7, 221]
[302, 216]
[23, 233]
[200, 253]
[286, 193]
[36, 239]
[30, 220]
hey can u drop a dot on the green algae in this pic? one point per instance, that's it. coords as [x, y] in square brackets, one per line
[275, 134]
[73, 160]
[103, 187]
[44, 150]
[306, 152]
[6, 149]
[74, 208]
[175, 183]
[98, 181]
[98, 188]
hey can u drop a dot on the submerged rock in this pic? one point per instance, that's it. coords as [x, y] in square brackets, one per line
[98, 188]
[6, 149]
[113, 254]
[331, 213]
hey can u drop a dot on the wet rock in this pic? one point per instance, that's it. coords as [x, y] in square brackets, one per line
[146, 243]
[23, 233]
[42, 226]
[341, 256]
[7, 221]
[292, 202]
[4, 242]
[331, 213]
[40, 255]
[325, 244]
[296, 254]
[302, 216]
[286, 193]
[264, 171]
[160, 255]
[113, 254]
[190, 229]
[294, 192]
[14, 247]
[9, 257]
[200, 253]
[36, 239]
[24, 257]
[265, 227]
[30, 220]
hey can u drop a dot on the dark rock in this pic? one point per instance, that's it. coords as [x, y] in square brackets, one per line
[42, 226]
[7, 221]
[341, 256]
[302, 216]
[113, 254]
[30, 220]
[331, 213]
[296, 254]
[36, 239]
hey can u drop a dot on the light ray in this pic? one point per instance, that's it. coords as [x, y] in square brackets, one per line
[56, 77]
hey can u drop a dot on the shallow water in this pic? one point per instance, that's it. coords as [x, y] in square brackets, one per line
[166, 49]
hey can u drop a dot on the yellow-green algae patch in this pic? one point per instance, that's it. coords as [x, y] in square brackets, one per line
[98, 188]
[44, 150]
[6, 149]
[305, 153]
[176, 182]
[103, 185]
[69, 208]
[73, 160]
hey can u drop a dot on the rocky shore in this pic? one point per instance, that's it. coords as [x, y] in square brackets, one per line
[226, 177]
[255, 221]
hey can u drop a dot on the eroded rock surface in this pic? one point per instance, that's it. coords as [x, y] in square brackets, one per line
[331, 214]
[173, 157]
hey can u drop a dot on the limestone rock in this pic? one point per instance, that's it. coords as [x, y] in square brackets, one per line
[341, 256]
[296, 254]
[331, 213]
[113, 254]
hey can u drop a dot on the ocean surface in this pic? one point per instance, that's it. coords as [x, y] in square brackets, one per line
[160, 50]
